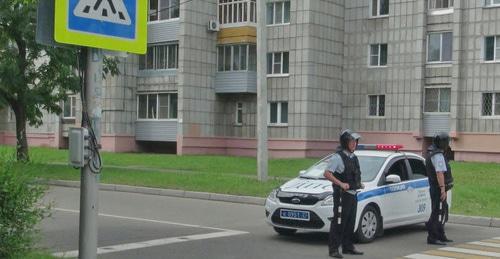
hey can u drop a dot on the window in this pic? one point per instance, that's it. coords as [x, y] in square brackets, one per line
[440, 4]
[278, 12]
[439, 47]
[11, 117]
[492, 3]
[379, 8]
[160, 57]
[69, 107]
[277, 63]
[378, 55]
[491, 104]
[278, 113]
[237, 57]
[492, 48]
[437, 99]
[398, 168]
[376, 106]
[237, 11]
[163, 10]
[157, 106]
[239, 113]
[418, 168]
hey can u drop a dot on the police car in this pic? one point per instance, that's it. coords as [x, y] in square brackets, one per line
[396, 193]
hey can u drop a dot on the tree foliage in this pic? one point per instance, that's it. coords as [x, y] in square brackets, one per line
[33, 78]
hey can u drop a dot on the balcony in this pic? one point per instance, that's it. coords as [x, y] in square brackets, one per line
[163, 21]
[159, 130]
[435, 123]
[236, 82]
[237, 13]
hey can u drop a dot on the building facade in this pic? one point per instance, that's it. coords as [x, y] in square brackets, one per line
[397, 71]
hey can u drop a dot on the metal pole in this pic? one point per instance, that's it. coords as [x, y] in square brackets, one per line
[89, 180]
[262, 151]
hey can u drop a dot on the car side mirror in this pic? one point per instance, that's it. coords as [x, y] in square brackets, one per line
[302, 172]
[392, 178]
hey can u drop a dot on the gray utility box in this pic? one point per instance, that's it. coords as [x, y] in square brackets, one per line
[78, 147]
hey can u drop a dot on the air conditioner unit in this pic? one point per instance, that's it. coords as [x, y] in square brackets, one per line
[213, 25]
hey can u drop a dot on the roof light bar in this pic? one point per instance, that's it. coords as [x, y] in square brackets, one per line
[393, 147]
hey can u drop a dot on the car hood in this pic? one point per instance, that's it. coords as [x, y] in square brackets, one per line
[312, 186]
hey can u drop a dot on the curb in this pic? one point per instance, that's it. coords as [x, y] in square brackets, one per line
[453, 218]
[165, 192]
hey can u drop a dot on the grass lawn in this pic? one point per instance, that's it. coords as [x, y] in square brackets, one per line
[476, 191]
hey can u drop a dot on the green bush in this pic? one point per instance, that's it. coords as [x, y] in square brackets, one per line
[20, 210]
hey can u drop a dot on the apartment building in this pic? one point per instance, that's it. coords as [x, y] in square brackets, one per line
[397, 71]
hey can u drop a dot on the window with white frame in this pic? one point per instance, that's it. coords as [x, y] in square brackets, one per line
[278, 12]
[376, 105]
[237, 57]
[439, 47]
[492, 48]
[239, 113]
[69, 107]
[237, 11]
[440, 4]
[278, 63]
[160, 57]
[157, 106]
[11, 117]
[278, 113]
[379, 8]
[491, 104]
[160, 10]
[437, 100]
[378, 55]
[492, 3]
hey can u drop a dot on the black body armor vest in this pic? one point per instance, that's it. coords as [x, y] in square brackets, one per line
[352, 171]
[431, 170]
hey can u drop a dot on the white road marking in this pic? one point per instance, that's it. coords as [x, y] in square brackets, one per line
[424, 256]
[497, 238]
[151, 243]
[145, 220]
[470, 251]
[485, 244]
[157, 242]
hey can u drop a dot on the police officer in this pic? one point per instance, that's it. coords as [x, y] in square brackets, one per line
[440, 181]
[344, 172]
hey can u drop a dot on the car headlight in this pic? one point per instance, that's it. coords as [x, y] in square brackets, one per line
[272, 196]
[328, 201]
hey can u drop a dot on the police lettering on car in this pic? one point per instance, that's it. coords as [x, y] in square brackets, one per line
[345, 174]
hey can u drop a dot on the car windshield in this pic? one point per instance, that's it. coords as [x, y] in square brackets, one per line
[370, 166]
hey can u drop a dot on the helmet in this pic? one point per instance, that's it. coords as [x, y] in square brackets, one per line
[346, 136]
[441, 140]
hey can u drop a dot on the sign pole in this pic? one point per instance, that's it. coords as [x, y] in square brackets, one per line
[89, 191]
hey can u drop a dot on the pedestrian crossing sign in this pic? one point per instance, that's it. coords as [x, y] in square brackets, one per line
[119, 25]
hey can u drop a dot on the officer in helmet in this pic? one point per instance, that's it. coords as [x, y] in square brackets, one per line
[440, 181]
[344, 172]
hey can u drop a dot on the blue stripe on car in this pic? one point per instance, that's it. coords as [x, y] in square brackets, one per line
[393, 188]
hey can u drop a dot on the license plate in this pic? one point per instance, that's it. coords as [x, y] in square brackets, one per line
[295, 215]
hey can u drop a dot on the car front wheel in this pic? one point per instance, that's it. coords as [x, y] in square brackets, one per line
[285, 231]
[369, 225]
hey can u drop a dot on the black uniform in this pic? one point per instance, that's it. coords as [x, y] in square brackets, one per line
[342, 234]
[435, 227]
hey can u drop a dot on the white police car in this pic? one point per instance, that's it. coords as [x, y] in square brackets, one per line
[396, 193]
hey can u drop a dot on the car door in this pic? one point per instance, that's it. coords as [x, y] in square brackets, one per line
[420, 183]
[397, 196]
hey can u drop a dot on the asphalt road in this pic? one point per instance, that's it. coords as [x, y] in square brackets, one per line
[147, 226]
